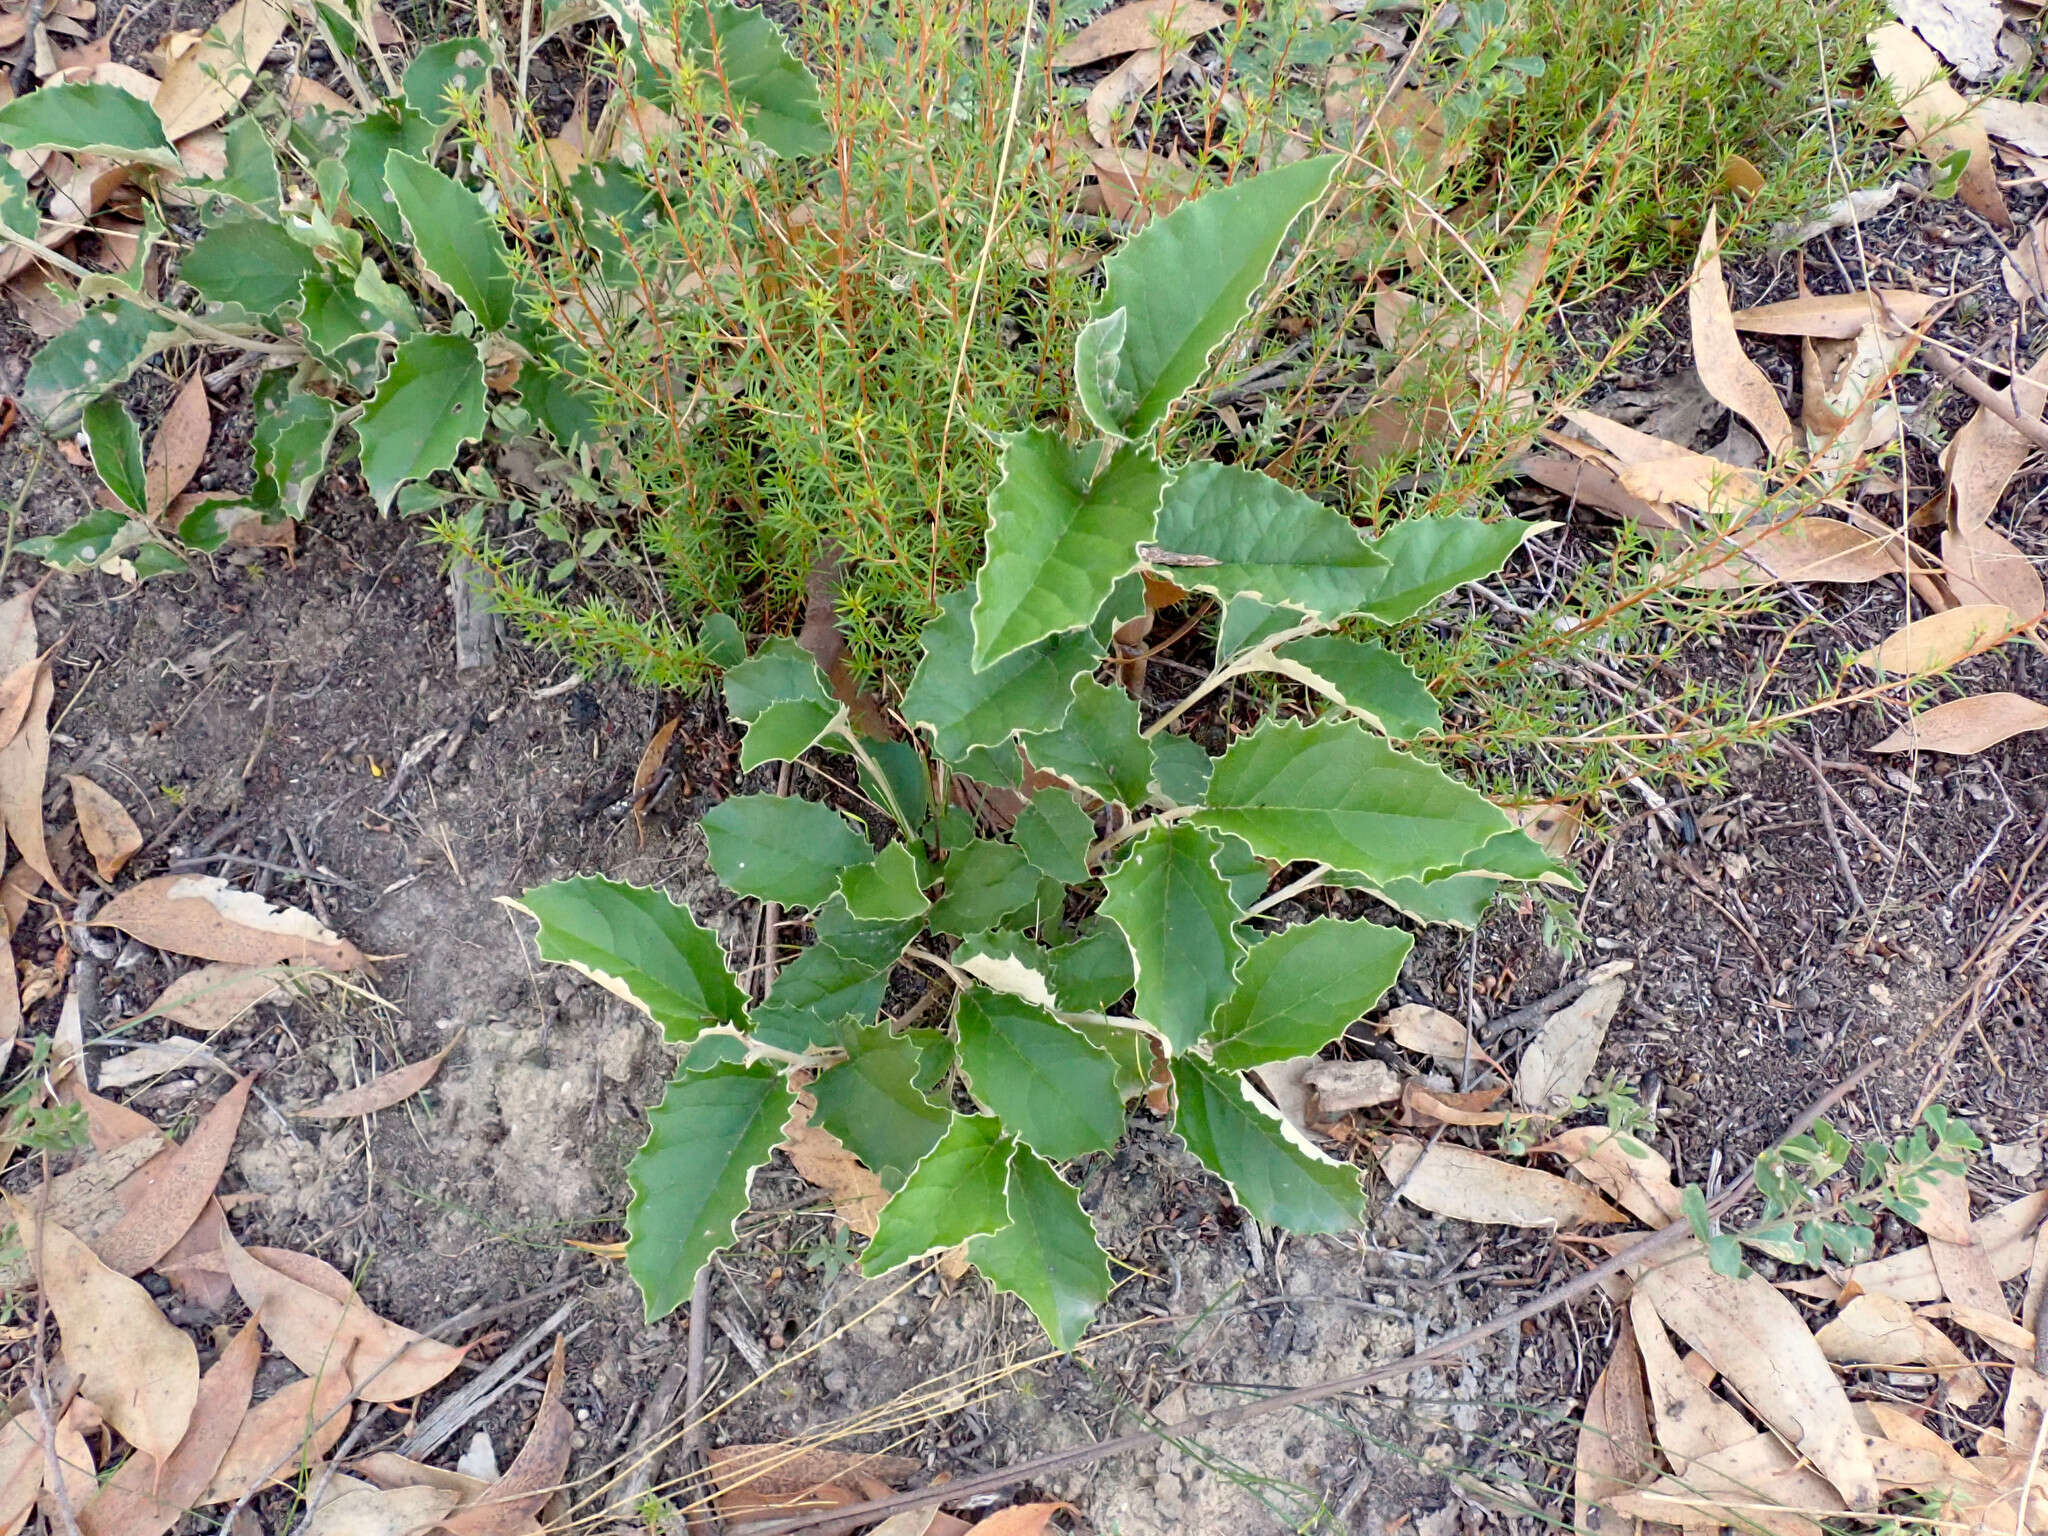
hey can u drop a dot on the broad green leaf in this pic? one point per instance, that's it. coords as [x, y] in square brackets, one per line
[1243, 871]
[373, 139]
[100, 540]
[1055, 834]
[1047, 1256]
[1177, 913]
[19, 211]
[783, 700]
[1128, 1044]
[905, 782]
[720, 638]
[614, 207]
[345, 332]
[1059, 537]
[455, 64]
[455, 236]
[154, 559]
[708, 1051]
[1094, 971]
[747, 71]
[1515, 855]
[785, 732]
[1301, 988]
[1430, 556]
[248, 261]
[1259, 538]
[291, 434]
[639, 944]
[251, 176]
[1182, 285]
[871, 1102]
[887, 890]
[957, 1192]
[781, 848]
[102, 350]
[116, 444]
[1337, 794]
[986, 881]
[429, 405]
[999, 767]
[690, 1178]
[814, 996]
[1248, 622]
[1180, 769]
[1099, 747]
[1363, 678]
[88, 118]
[212, 521]
[1270, 1167]
[1051, 1089]
[1029, 690]
[1459, 899]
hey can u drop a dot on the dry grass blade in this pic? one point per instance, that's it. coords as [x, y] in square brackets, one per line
[381, 1092]
[1458, 1182]
[1938, 642]
[203, 916]
[1838, 317]
[1963, 726]
[110, 833]
[179, 447]
[1724, 367]
[208, 79]
[513, 1500]
[1140, 25]
[177, 1195]
[1937, 115]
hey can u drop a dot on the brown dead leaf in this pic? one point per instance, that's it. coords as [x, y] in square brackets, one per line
[87, 1200]
[1805, 549]
[194, 1264]
[387, 1363]
[1692, 1420]
[1342, 1086]
[207, 80]
[1551, 826]
[822, 1159]
[1963, 726]
[146, 1498]
[1428, 1032]
[110, 834]
[1839, 316]
[24, 770]
[1960, 1262]
[1757, 1485]
[1755, 1337]
[203, 916]
[1140, 25]
[1561, 1055]
[536, 1472]
[21, 1468]
[1635, 1176]
[1589, 482]
[1422, 1106]
[1982, 565]
[758, 1479]
[381, 1512]
[2006, 1235]
[1020, 1520]
[1116, 90]
[1994, 1325]
[1466, 1185]
[283, 1435]
[648, 770]
[1937, 116]
[157, 1058]
[178, 1194]
[1987, 452]
[388, 1469]
[1938, 642]
[210, 998]
[138, 1370]
[1874, 1329]
[1727, 371]
[179, 446]
[17, 692]
[72, 1454]
[1615, 1451]
[381, 1092]
[2024, 270]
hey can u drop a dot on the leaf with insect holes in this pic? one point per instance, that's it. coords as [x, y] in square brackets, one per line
[1062, 528]
[19, 211]
[1335, 793]
[1363, 678]
[345, 332]
[372, 140]
[1181, 921]
[1430, 556]
[1099, 747]
[639, 944]
[781, 848]
[291, 433]
[248, 261]
[1938, 642]
[956, 1192]
[783, 700]
[887, 890]
[1048, 1255]
[429, 405]
[1028, 690]
[691, 1176]
[454, 64]
[746, 65]
[1174, 293]
[102, 350]
[116, 445]
[872, 1104]
[1271, 1169]
[1051, 1089]
[454, 236]
[1055, 834]
[1965, 726]
[1238, 533]
[91, 119]
[1301, 988]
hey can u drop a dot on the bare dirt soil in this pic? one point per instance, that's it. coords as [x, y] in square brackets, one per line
[298, 724]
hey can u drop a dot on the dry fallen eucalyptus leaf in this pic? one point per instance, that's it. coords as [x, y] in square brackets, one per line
[822, 1159]
[761, 1478]
[210, 998]
[1987, 452]
[1982, 565]
[1561, 1055]
[381, 1092]
[536, 1472]
[1615, 1451]
[381, 1512]
[1116, 90]
[285, 1433]
[1636, 1177]
[203, 916]
[177, 1194]
[1964, 726]
[24, 770]
[645, 774]
[1879, 1330]
[1727, 371]
[1937, 116]
[2005, 1234]
[178, 448]
[110, 833]
[207, 80]
[1466, 1185]
[1838, 316]
[1140, 25]
[1938, 642]
[157, 1058]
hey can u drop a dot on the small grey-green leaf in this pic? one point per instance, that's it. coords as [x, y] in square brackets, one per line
[985, 882]
[290, 435]
[102, 350]
[1180, 769]
[1090, 974]
[781, 848]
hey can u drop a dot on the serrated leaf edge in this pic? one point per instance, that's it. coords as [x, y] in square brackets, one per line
[1138, 966]
[1009, 1172]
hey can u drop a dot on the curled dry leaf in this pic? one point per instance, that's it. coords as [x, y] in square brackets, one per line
[648, 770]
[203, 916]
[110, 833]
[282, 1436]
[1561, 1055]
[1020, 1520]
[381, 1092]
[1466, 1185]
[139, 1371]
[2024, 269]
[1755, 1337]
[381, 1512]
[1553, 827]
[1635, 1176]
[1430, 1032]
[1982, 565]
[1590, 482]
[388, 1469]
[177, 1195]
[1963, 726]
[1938, 642]
[1116, 90]
[1723, 366]
[1937, 116]
[320, 1333]
[178, 448]
[1427, 1107]
[1139, 25]
[1342, 1086]
[24, 769]
[535, 1473]
[146, 1498]
[822, 1159]
[1839, 317]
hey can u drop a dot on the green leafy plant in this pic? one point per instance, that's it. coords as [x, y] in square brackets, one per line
[1103, 942]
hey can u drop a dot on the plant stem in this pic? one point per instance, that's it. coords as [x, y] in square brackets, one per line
[200, 329]
[1288, 892]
